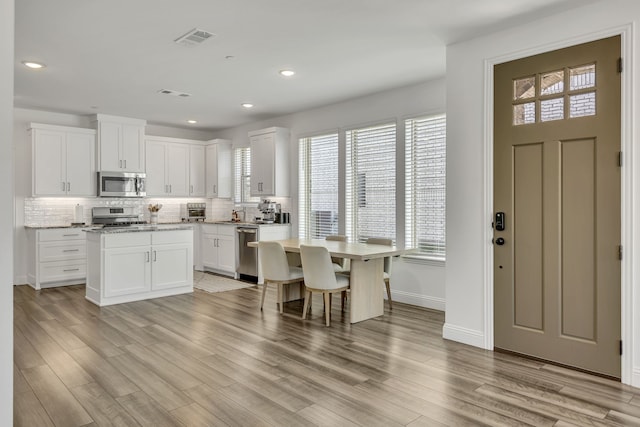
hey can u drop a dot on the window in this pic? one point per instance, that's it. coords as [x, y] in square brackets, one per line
[371, 182]
[242, 175]
[318, 192]
[425, 140]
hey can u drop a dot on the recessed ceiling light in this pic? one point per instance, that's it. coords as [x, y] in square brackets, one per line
[287, 73]
[247, 105]
[193, 122]
[34, 65]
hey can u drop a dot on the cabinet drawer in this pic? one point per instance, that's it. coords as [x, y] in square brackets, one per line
[209, 228]
[170, 237]
[226, 230]
[59, 271]
[124, 240]
[59, 251]
[61, 234]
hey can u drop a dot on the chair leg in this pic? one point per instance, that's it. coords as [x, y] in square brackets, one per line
[307, 303]
[386, 282]
[280, 297]
[327, 306]
[264, 292]
[343, 297]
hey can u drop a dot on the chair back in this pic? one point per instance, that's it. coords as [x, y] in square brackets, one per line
[273, 260]
[317, 269]
[385, 242]
[338, 238]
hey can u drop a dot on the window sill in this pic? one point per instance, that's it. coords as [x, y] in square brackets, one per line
[423, 260]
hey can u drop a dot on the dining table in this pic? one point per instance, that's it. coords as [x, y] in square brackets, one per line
[366, 272]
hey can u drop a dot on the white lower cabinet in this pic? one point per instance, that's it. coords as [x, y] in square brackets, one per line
[134, 266]
[219, 248]
[57, 257]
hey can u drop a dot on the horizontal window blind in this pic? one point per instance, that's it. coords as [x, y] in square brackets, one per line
[425, 184]
[318, 186]
[242, 176]
[371, 182]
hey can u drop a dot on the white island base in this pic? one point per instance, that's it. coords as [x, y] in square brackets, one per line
[138, 265]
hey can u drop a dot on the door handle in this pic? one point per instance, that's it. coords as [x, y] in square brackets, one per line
[147, 256]
[499, 241]
[63, 186]
[170, 191]
[120, 164]
[155, 256]
[68, 186]
[125, 163]
[71, 250]
[72, 269]
[214, 188]
[191, 189]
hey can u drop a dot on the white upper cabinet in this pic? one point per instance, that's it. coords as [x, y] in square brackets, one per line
[219, 176]
[63, 161]
[121, 143]
[197, 167]
[170, 169]
[270, 162]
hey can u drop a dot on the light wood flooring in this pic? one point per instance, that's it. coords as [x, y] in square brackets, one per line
[216, 359]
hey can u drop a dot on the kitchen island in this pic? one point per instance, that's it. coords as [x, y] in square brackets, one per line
[135, 263]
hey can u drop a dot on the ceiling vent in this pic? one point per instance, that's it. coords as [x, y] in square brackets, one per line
[194, 37]
[174, 93]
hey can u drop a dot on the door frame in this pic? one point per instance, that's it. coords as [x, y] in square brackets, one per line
[628, 269]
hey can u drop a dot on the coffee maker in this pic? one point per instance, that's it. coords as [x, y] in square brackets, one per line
[269, 211]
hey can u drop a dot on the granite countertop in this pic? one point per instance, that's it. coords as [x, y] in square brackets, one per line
[48, 227]
[139, 228]
[241, 223]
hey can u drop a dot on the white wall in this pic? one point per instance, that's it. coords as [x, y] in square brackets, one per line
[469, 310]
[412, 282]
[6, 212]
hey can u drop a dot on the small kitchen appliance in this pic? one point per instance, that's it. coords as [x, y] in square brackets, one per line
[269, 210]
[196, 212]
[121, 184]
[115, 216]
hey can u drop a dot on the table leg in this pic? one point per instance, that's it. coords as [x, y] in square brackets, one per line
[366, 293]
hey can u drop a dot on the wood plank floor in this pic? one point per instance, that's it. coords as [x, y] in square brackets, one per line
[216, 359]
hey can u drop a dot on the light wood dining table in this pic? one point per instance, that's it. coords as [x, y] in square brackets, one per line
[366, 278]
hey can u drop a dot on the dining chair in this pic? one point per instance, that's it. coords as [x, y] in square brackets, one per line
[339, 264]
[276, 269]
[319, 276]
[387, 264]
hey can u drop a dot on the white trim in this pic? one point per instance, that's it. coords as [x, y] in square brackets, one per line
[629, 374]
[420, 300]
[20, 280]
[463, 335]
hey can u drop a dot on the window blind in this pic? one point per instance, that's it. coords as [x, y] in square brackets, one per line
[425, 140]
[371, 182]
[318, 186]
[242, 176]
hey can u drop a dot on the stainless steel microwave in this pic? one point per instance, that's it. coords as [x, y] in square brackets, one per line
[121, 184]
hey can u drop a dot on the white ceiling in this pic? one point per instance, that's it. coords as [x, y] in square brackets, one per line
[112, 56]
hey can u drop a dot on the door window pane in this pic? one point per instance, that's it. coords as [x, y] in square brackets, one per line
[551, 83]
[583, 77]
[582, 105]
[552, 109]
[524, 113]
[524, 88]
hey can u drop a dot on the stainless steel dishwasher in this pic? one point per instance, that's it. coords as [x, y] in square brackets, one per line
[247, 256]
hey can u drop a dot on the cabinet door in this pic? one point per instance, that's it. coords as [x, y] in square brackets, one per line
[212, 170]
[225, 172]
[209, 250]
[127, 271]
[109, 136]
[177, 161]
[155, 162]
[132, 148]
[81, 176]
[49, 160]
[171, 266]
[197, 162]
[227, 253]
[262, 165]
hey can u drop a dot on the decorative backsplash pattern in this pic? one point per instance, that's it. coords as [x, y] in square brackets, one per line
[48, 212]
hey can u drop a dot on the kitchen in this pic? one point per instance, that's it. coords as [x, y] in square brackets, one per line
[422, 284]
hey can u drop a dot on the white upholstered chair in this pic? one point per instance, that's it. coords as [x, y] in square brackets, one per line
[339, 264]
[387, 263]
[319, 276]
[276, 269]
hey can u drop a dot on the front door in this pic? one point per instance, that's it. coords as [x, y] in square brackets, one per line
[557, 182]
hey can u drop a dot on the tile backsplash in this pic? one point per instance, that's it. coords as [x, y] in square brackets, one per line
[44, 212]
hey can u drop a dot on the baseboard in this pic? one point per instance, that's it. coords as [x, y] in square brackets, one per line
[635, 377]
[463, 335]
[20, 280]
[417, 299]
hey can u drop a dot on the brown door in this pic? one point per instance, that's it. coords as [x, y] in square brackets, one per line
[557, 181]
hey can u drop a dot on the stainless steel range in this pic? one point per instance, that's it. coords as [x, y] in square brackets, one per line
[116, 217]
